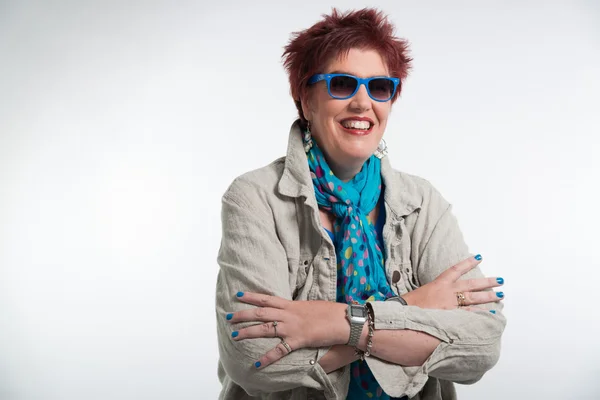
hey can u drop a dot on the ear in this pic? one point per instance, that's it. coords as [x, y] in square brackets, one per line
[307, 104]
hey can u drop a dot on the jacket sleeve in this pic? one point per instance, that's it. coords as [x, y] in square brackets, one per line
[252, 259]
[470, 341]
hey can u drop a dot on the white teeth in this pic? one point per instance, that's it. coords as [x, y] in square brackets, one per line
[353, 124]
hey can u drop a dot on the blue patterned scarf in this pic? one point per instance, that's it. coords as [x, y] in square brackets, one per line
[360, 264]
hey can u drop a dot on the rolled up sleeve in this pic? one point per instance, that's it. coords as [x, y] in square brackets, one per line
[470, 340]
[252, 259]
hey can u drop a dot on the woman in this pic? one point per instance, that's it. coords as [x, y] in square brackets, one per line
[341, 277]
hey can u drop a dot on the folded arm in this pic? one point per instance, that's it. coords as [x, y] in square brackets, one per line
[403, 347]
[468, 341]
[252, 259]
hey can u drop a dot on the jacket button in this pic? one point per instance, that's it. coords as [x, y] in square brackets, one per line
[305, 262]
[395, 277]
[312, 362]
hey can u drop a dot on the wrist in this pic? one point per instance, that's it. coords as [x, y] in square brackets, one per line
[343, 333]
[409, 299]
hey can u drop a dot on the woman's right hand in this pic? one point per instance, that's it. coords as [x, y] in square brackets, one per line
[442, 292]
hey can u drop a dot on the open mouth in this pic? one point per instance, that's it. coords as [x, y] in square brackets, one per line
[356, 126]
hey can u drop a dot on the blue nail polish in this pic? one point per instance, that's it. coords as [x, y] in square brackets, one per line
[234, 334]
[500, 294]
[257, 364]
[500, 281]
[493, 311]
[229, 316]
[478, 257]
[240, 294]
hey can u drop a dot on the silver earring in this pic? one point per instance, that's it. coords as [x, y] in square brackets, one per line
[381, 150]
[308, 143]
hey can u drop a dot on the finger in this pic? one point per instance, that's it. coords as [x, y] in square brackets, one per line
[266, 330]
[262, 300]
[478, 284]
[456, 271]
[276, 354]
[258, 314]
[472, 298]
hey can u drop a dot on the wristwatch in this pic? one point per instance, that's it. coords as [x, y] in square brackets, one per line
[357, 316]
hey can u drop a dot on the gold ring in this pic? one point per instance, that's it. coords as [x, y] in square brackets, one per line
[287, 346]
[460, 296]
[275, 327]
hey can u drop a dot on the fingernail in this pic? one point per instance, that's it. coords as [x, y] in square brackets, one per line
[229, 316]
[478, 257]
[500, 281]
[257, 364]
[500, 294]
[493, 311]
[240, 294]
[234, 334]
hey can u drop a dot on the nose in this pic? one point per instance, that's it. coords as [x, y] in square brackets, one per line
[361, 101]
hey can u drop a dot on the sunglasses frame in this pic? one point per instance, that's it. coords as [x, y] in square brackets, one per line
[361, 81]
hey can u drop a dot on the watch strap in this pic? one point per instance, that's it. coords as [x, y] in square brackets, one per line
[355, 332]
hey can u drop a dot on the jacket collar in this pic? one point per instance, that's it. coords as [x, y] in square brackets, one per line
[295, 181]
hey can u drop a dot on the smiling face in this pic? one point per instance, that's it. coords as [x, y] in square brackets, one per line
[332, 120]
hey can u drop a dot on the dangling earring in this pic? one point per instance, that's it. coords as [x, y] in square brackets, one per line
[381, 150]
[307, 138]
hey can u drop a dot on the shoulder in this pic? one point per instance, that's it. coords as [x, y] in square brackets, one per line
[415, 192]
[258, 184]
[415, 185]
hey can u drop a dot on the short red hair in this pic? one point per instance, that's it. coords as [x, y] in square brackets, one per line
[335, 35]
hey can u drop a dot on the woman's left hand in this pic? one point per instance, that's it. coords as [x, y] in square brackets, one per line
[299, 323]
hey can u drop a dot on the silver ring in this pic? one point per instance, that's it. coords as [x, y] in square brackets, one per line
[287, 346]
[275, 327]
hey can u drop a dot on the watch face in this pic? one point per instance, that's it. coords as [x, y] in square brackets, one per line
[359, 311]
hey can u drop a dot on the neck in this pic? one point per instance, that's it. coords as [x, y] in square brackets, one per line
[345, 171]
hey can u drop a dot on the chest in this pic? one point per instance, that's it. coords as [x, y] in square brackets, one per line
[311, 255]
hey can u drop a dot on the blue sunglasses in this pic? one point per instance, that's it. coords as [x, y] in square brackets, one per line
[344, 86]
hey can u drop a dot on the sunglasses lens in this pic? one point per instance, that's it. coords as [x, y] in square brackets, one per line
[342, 86]
[381, 88]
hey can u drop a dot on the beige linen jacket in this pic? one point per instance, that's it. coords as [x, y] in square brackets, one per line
[273, 242]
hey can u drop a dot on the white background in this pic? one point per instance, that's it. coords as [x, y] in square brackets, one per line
[122, 124]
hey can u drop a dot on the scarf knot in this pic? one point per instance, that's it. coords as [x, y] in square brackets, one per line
[341, 210]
